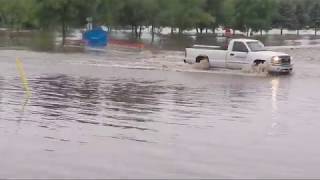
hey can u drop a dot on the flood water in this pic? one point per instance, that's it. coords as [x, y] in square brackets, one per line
[129, 114]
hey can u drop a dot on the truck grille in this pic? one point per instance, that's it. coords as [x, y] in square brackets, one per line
[285, 60]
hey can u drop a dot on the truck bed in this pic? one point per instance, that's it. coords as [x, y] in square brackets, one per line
[216, 55]
[208, 47]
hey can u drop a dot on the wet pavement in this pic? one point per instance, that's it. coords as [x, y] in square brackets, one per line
[132, 114]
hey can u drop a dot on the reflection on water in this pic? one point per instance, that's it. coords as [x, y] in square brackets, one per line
[275, 87]
[124, 101]
[1, 92]
[92, 100]
[276, 124]
[129, 103]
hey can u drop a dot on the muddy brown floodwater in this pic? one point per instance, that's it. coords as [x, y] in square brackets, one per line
[127, 114]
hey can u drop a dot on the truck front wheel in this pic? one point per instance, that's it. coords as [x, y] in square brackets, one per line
[258, 62]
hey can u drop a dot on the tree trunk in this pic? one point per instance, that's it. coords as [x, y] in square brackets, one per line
[281, 31]
[298, 32]
[201, 30]
[136, 31]
[180, 31]
[64, 28]
[315, 30]
[152, 32]
[260, 32]
[140, 32]
[197, 30]
[64, 33]
[206, 30]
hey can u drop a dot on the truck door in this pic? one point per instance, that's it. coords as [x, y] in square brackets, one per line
[237, 56]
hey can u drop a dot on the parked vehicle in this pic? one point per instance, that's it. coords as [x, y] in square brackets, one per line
[96, 38]
[228, 32]
[239, 54]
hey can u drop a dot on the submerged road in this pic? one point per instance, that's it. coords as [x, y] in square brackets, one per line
[142, 115]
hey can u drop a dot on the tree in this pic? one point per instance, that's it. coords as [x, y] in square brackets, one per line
[285, 16]
[254, 15]
[153, 12]
[169, 13]
[184, 14]
[204, 21]
[64, 13]
[245, 15]
[190, 14]
[108, 12]
[133, 13]
[315, 17]
[300, 20]
[16, 14]
[228, 13]
[264, 11]
[204, 15]
[216, 10]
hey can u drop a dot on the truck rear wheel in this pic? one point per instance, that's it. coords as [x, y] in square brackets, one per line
[202, 58]
[202, 63]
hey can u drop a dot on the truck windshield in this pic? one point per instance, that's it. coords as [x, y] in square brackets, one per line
[256, 46]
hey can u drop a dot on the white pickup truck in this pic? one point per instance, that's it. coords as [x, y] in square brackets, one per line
[240, 54]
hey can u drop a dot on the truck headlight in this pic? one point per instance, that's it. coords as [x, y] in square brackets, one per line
[275, 60]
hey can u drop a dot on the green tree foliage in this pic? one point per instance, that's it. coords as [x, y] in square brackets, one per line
[228, 14]
[185, 14]
[63, 13]
[265, 10]
[285, 16]
[300, 18]
[244, 15]
[153, 11]
[133, 13]
[108, 12]
[315, 17]
[254, 14]
[216, 9]
[16, 14]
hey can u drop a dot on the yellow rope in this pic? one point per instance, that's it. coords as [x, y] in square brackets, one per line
[23, 77]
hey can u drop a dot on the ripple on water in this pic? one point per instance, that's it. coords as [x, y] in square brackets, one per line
[159, 114]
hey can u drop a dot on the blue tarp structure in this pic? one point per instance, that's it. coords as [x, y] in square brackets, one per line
[96, 37]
